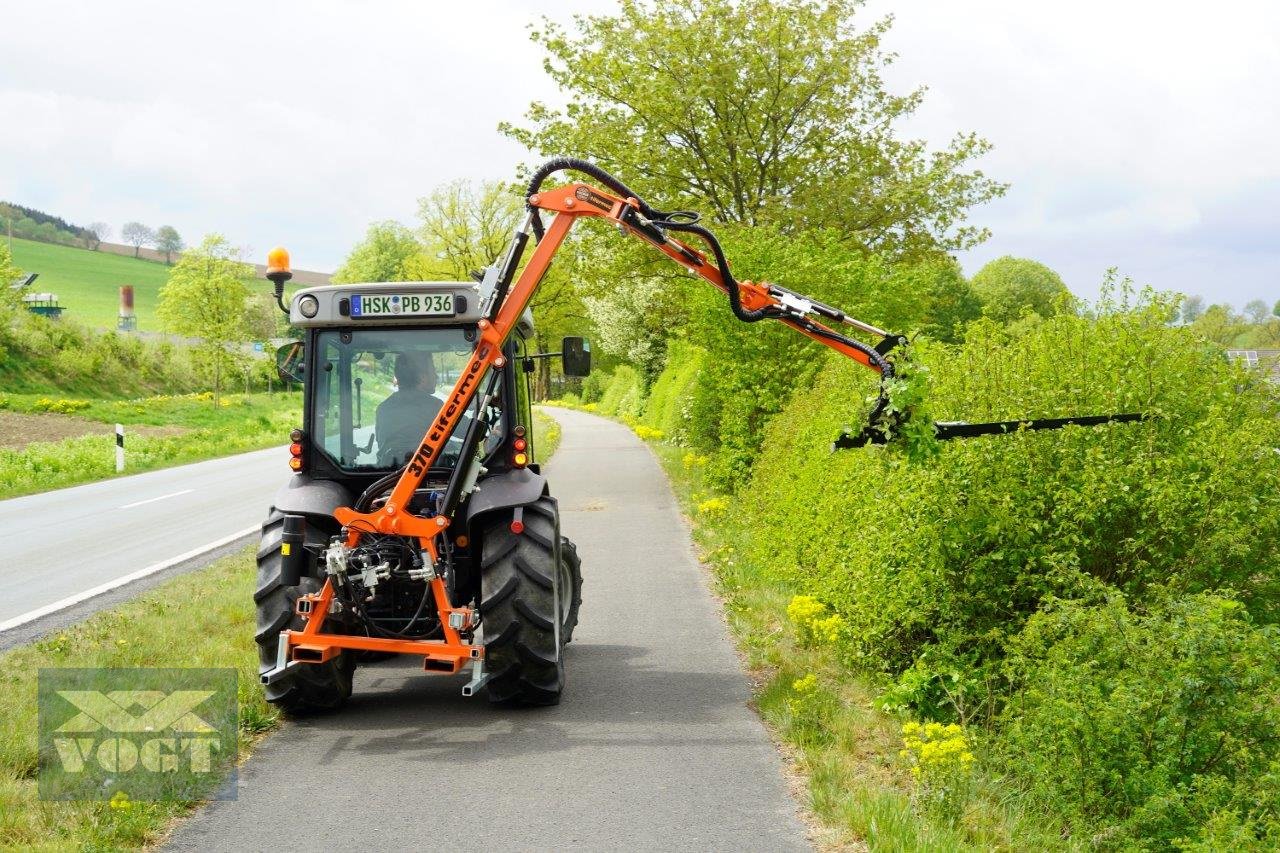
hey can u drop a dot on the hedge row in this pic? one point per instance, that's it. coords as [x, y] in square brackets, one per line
[1101, 600]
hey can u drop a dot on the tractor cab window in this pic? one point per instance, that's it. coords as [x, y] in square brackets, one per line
[377, 390]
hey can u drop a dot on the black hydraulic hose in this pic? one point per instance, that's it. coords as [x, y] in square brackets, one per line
[365, 501]
[588, 168]
[730, 283]
[667, 221]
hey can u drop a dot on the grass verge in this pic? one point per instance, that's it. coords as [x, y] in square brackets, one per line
[546, 436]
[848, 750]
[201, 619]
[241, 422]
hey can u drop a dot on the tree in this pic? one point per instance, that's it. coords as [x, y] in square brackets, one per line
[1256, 310]
[1219, 324]
[1008, 286]
[1276, 309]
[262, 318]
[757, 111]
[388, 252]
[949, 302]
[96, 233]
[9, 273]
[1192, 309]
[168, 241]
[204, 297]
[466, 227]
[137, 235]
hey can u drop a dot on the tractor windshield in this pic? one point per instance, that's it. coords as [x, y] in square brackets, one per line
[375, 391]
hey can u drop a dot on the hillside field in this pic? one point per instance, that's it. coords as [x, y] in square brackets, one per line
[88, 283]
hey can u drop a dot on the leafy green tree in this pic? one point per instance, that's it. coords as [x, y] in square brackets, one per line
[9, 273]
[757, 112]
[1192, 309]
[204, 297]
[388, 252]
[1256, 310]
[948, 300]
[168, 240]
[466, 226]
[1008, 286]
[1220, 324]
[25, 227]
[262, 319]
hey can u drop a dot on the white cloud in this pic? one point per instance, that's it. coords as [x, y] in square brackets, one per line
[1119, 124]
[295, 122]
[1138, 134]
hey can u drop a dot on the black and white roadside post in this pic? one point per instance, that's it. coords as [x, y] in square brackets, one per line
[119, 448]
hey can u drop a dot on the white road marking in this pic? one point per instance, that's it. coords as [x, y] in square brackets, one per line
[63, 604]
[153, 500]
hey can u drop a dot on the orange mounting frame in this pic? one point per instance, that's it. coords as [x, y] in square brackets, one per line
[568, 203]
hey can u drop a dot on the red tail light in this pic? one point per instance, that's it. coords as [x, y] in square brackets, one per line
[295, 450]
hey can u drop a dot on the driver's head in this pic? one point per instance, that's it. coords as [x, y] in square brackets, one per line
[415, 370]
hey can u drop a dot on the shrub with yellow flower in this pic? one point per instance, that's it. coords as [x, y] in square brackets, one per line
[814, 624]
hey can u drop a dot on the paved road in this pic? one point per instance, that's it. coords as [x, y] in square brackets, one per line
[652, 748]
[59, 545]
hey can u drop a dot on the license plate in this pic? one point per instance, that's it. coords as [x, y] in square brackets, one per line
[402, 305]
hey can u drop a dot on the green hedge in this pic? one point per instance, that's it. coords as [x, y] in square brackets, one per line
[623, 394]
[37, 354]
[1161, 720]
[668, 408]
[940, 568]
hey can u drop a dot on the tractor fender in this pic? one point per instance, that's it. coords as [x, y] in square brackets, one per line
[303, 495]
[518, 487]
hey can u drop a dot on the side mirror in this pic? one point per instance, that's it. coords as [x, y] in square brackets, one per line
[289, 361]
[576, 357]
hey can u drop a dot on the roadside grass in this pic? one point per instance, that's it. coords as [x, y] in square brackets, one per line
[201, 619]
[546, 435]
[846, 747]
[88, 283]
[239, 423]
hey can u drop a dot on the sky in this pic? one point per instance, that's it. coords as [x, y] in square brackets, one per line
[1134, 134]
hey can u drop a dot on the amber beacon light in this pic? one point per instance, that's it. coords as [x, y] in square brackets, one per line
[278, 272]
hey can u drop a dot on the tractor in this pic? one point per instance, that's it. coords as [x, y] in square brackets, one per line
[376, 365]
[416, 522]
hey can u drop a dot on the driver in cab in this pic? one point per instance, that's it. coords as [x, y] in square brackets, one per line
[403, 417]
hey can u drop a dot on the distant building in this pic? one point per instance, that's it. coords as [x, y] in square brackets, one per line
[1266, 360]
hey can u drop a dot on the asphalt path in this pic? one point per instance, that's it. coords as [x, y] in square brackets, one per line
[70, 551]
[653, 746]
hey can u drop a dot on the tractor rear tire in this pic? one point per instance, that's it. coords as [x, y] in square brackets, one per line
[570, 570]
[309, 687]
[518, 606]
